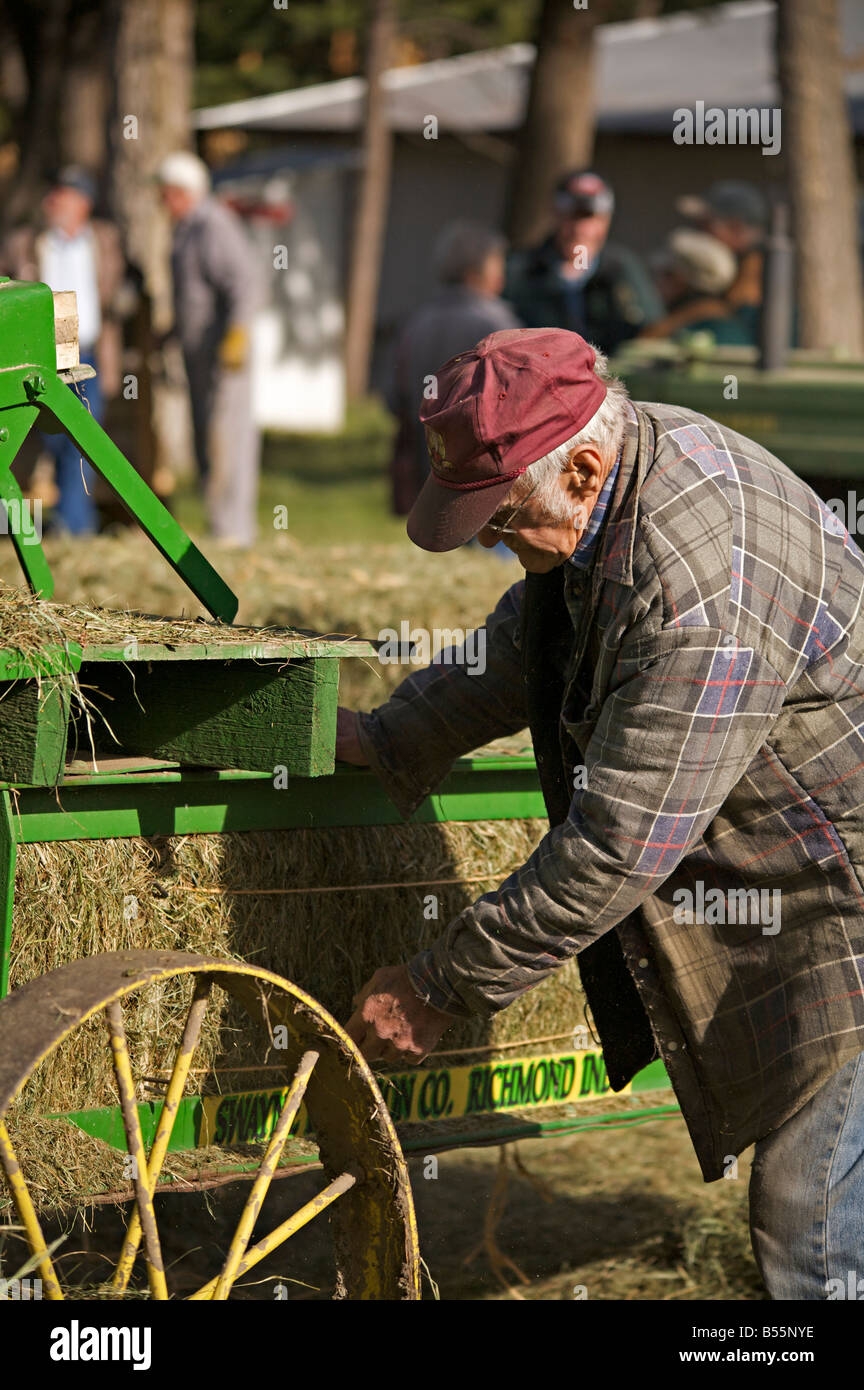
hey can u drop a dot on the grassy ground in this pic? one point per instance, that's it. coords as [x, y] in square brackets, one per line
[334, 488]
[622, 1214]
[615, 1214]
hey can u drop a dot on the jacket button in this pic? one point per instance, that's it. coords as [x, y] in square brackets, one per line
[672, 1046]
[643, 964]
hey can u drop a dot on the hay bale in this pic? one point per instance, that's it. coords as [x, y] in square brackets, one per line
[76, 899]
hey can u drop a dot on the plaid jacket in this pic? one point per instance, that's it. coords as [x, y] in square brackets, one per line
[711, 681]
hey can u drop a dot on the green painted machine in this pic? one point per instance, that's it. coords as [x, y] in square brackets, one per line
[200, 719]
[38, 332]
[809, 412]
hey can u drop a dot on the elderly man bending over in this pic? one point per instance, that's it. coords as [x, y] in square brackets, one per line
[690, 632]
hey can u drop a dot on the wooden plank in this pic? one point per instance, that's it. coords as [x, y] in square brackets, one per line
[236, 644]
[108, 764]
[49, 661]
[240, 714]
[66, 329]
[34, 718]
[262, 649]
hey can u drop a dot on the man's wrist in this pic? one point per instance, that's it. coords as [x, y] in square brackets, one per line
[430, 985]
[365, 744]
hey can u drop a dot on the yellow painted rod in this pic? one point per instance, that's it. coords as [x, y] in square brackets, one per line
[27, 1212]
[258, 1192]
[285, 1231]
[164, 1129]
[135, 1147]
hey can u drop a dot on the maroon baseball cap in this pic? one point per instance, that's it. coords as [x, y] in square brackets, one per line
[500, 407]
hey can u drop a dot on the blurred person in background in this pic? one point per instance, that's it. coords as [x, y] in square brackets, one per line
[736, 213]
[694, 273]
[215, 295]
[577, 278]
[71, 250]
[469, 267]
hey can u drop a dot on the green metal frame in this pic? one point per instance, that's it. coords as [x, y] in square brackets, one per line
[106, 1123]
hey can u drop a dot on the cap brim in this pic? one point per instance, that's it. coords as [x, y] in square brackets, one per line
[443, 518]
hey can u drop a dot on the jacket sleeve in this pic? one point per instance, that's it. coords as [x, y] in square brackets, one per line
[670, 742]
[468, 695]
[230, 267]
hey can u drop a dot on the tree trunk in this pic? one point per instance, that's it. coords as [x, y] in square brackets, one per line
[86, 88]
[153, 64]
[558, 132]
[40, 30]
[153, 45]
[370, 219]
[818, 143]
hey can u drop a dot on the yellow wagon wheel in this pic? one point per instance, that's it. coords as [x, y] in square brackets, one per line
[367, 1192]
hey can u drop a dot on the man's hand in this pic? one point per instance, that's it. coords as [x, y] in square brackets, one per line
[391, 1023]
[348, 748]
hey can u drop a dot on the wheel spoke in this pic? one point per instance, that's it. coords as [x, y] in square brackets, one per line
[165, 1127]
[288, 1228]
[262, 1181]
[135, 1147]
[27, 1212]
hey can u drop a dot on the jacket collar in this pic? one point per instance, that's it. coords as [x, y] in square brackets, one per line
[619, 537]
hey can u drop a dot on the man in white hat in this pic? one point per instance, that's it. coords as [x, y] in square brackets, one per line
[214, 301]
[695, 273]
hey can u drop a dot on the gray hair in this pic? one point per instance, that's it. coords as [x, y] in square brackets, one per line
[462, 249]
[605, 430]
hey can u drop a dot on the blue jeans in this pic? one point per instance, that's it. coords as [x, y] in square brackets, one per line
[76, 511]
[807, 1195]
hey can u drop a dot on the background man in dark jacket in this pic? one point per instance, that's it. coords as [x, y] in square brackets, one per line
[577, 278]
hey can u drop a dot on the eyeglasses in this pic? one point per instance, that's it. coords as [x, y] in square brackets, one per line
[506, 529]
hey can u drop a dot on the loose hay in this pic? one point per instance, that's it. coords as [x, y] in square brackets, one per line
[28, 625]
[359, 588]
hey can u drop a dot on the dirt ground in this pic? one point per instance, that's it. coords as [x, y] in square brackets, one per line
[619, 1214]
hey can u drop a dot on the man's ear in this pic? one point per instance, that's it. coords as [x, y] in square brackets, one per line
[587, 463]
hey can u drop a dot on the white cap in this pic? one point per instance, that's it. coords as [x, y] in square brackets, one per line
[184, 170]
[707, 265]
